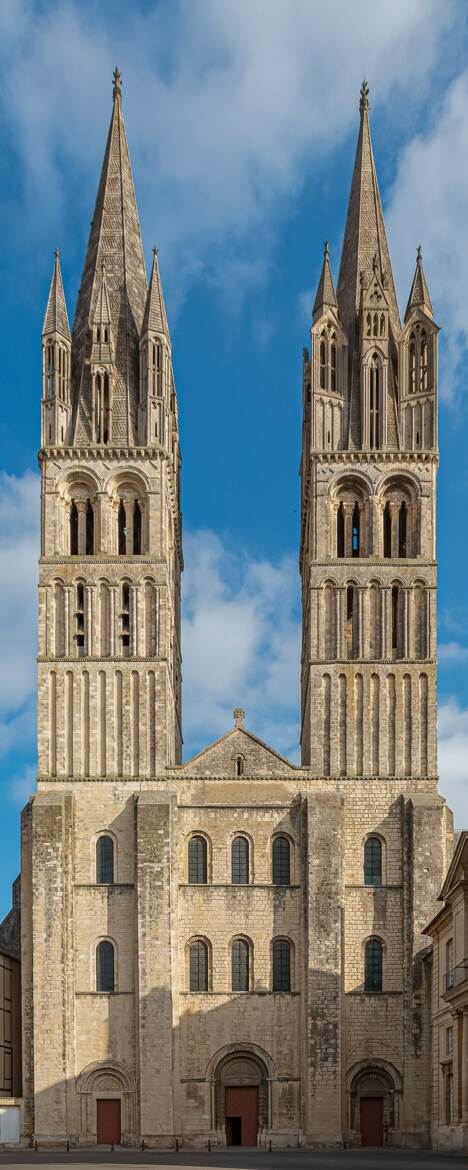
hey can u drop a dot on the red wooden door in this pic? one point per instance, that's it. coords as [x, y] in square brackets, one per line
[108, 1122]
[372, 1121]
[242, 1103]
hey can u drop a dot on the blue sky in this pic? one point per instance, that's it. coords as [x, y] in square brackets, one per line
[242, 118]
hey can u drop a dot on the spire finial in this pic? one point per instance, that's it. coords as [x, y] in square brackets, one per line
[239, 716]
[364, 100]
[326, 249]
[117, 78]
[57, 254]
[155, 250]
[419, 254]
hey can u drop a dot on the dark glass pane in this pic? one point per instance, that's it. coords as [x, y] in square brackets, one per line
[89, 529]
[356, 531]
[281, 862]
[373, 965]
[340, 534]
[105, 861]
[199, 967]
[136, 529]
[373, 862]
[73, 530]
[197, 866]
[402, 531]
[240, 965]
[122, 531]
[387, 531]
[240, 861]
[105, 966]
[281, 965]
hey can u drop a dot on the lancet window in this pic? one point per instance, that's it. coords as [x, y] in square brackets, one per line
[418, 361]
[375, 394]
[328, 361]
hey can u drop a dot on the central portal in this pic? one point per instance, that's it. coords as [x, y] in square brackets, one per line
[241, 1114]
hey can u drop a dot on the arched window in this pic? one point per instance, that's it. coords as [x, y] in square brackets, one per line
[387, 531]
[323, 364]
[333, 382]
[340, 532]
[356, 531]
[281, 861]
[373, 862]
[373, 964]
[99, 408]
[402, 529]
[374, 404]
[239, 766]
[423, 363]
[50, 370]
[89, 529]
[376, 325]
[240, 965]
[105, 966]
[105, 861]
[281, 964]
[159, 369]
[369, 325]
[395, 619]
[382, 325]
[73, 529]
[80, 620]
[125, 619]
[106, 410]
[198, 965]
[122, 530]
[197, 861]
[240, 861]
[412, 364]
[136, 529]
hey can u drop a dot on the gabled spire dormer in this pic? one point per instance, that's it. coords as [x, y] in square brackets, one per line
[374, 322]
[418, 367]
[155, 366]
[56, 348]
[102, 364]
[329, 366]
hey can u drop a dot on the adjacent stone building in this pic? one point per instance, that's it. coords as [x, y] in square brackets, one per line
[232, 948]
[449, 961]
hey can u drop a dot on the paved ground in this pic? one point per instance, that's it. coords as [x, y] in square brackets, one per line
[239, 1160]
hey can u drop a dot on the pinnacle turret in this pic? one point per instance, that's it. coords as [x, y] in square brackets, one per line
[419, 296]
[155, 317]
[56, 316]
[325, 296]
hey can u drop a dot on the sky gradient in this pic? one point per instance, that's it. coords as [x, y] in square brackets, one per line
[242, 126]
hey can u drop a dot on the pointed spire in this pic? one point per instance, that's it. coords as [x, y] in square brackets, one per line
[114, 239]
[155, 318]
[56, 317]
[419, 296]
[365, 236]
[325, 292]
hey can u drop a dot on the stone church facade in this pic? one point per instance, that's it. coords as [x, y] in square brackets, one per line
[232, 948]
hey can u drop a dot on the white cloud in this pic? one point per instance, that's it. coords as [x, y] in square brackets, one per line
[453, 758]
[428, 206]
[240, 644]
[19, 549]
[23, 784]
[452, 652]
[228, 107]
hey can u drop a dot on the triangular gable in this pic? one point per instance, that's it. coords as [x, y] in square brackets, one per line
[220, 758]
[458, 868]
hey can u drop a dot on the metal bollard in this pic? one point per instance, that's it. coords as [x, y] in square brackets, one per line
[269, 1145]
[68, 1146]
[177, 1144]
[209, 1145]
[112, 1147]
[35, 1146]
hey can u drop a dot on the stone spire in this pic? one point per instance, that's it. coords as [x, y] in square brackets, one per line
[325, 292]
[56, 317]
[365, 235]
[155, 318]
[115, 241]
[419, 296]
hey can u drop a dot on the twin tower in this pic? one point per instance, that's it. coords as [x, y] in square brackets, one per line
[111, 557]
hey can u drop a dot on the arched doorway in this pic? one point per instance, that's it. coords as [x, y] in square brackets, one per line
[107, 1104]
[373, 1105]
[242, 1098]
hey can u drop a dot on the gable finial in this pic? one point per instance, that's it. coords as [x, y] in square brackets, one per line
[364, 99]
[117, 78]
[239, 716]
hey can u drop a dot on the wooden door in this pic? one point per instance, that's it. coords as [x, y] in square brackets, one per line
[241, 1112]
[108, 1122]
[372, 1121]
